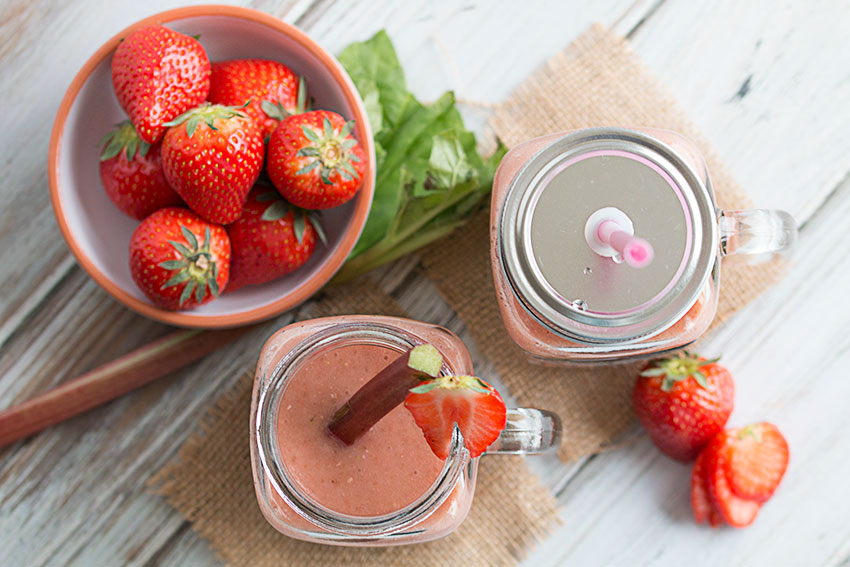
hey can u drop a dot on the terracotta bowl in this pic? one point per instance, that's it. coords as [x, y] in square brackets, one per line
[99, 234]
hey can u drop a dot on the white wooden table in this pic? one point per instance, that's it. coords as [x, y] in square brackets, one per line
[769, 83]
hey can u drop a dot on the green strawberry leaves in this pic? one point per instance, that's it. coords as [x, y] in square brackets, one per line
[279, 208]
[195, 267]
[329, 151]
[207, 114]
[122, 137]
[677, 368]
[274, 109]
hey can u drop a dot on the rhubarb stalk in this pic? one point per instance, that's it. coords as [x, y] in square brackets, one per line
[385, 391]
[111, 380]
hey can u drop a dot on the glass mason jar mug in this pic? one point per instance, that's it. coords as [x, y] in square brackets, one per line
[388, 487]
[606, 243]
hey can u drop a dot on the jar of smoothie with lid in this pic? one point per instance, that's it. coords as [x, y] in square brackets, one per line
[606, 243]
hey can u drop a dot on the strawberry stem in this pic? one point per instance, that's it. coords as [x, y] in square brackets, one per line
[385, 391]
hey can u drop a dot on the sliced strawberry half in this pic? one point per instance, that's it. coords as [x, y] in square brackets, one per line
[758, 463]
[466, 401]
[737, 512]
[700, 499]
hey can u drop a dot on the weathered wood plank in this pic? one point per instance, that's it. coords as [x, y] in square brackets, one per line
[767, 83]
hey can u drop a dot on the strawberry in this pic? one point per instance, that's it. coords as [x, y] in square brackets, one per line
[700, 499]
[131, 172]
[735, 511]
[313, 160]
[178, 259]
[741, 469]
[758, 462]
[270, 239]
[157, 75]
[212, 155]
[682, 402]
[466, 401]
[273, 90]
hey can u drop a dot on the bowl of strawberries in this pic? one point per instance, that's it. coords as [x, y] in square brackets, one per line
[211, 166]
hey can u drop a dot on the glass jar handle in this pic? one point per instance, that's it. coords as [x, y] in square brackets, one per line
[756, 231]
[527, 431]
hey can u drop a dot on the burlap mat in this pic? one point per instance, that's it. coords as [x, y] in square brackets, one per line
[597, 81]
[210, 484]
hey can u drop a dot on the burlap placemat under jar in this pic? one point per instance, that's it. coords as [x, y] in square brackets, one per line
[210, 483]
[597, 81]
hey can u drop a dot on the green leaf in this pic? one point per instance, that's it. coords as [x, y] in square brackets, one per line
[346, 130]
[700, 378]
[374, 110]
[207, 240]
[307, 152]
[316, 221]
[448, 163]
[276, 211]
[192, 125]
[112, 149]
[426, 387]
[213, 284]
[187, 292]
[181, 248]
[274, 109]
[200, 292]
[177, 278]
[311, 134]
[298, 226]
[348, 168]
[190, 237]
[301, 99]
[374, 67]
[173, 264]
[309, 167]
[132, 146]
[655, 371]
[329, 130]
[144, 148]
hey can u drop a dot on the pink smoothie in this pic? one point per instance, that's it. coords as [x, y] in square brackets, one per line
[388, 468]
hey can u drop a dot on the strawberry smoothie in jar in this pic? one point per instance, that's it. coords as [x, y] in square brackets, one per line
[606, 243]
[387, 487]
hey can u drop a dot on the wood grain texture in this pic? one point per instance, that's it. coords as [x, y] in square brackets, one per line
[767, 83]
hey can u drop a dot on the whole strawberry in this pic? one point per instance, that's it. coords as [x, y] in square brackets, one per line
[212, 155]
[682, 402]
[157, 75]
[131, 172]
[273, 90]
[271, 239]
[468, 402]
[178, 259]
[313, 160]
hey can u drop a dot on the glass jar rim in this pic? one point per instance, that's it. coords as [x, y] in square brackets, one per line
[272, 466]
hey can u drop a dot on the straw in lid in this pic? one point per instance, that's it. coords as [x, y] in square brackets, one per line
[587, 202]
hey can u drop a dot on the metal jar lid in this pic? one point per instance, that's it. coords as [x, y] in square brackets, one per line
[578, 293]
